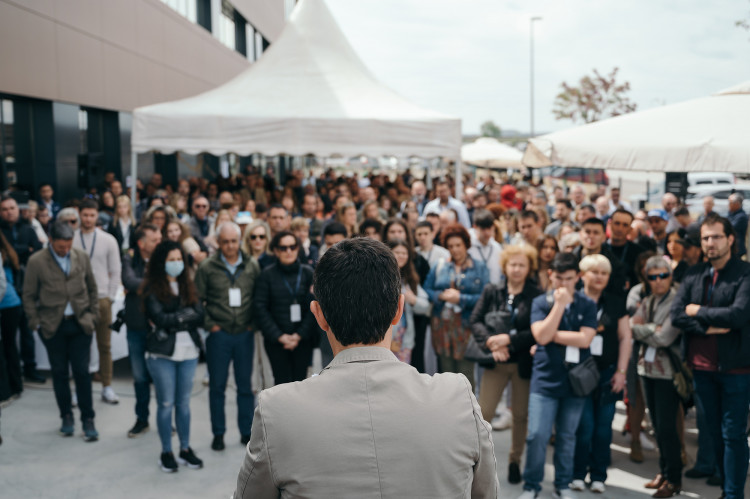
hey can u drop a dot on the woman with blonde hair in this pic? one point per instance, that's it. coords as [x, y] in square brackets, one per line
[255, 242]
[501, 324]
[123, 224]
[179, 233]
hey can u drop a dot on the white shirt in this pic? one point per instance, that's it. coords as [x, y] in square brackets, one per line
[184, 347]
[434, 255]
[435, 206]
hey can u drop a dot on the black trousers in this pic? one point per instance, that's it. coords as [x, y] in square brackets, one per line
[11, 379]
[289, 365]
[28, 345]
[663, 403]
[420, 331]
[70, 346]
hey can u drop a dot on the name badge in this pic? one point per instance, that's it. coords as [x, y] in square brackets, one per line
[295, 312]
[513, 332]
[572, 355]
[597, 346]
[235, 297]
[650, 354]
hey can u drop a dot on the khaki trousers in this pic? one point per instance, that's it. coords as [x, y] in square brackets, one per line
[104, 340]
[491, 391]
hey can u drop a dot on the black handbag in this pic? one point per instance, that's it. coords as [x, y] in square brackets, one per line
[475, 353]
[682, 378]
[584, 377]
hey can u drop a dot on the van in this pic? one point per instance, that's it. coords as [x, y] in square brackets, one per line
[706, 178]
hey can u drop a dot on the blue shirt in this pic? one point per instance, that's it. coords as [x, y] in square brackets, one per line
[549, 376]
[232, 267]
[64, 263]
[11, 298]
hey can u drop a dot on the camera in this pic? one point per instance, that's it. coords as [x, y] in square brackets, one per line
[119, 321]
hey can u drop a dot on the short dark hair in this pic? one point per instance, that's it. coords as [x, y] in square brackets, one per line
[566, 202]
[564, 262]
[61, 231]
[357, 283]
[424, 223]
[682, 211]
[276, 240]
[529, 214]
[88, 204]
[140, 232]
[714, 219]
[370, 223]
[277, 206]
[335, 228]
[623, 211]
[595, 221]
[484, 219]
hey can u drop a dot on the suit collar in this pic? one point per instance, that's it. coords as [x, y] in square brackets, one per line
[359, 354]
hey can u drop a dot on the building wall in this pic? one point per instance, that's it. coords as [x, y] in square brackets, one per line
[116, 54]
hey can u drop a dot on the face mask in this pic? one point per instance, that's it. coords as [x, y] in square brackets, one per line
[174, 269]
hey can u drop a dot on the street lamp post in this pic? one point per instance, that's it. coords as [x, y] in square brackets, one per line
[531, 90]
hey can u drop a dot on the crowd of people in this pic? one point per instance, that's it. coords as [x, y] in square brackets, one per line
[563, 302]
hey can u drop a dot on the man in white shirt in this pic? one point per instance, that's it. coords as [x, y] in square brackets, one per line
[445, 201]
[484, 248]
[104, 253]
[431, 252]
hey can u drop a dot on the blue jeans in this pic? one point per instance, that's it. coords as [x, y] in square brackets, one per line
[221, 349]
[141, 377]
[725, 398]
[174, 383]
[594, 434]
[544, 412]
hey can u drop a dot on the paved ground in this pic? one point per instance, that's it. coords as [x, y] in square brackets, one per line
[36, 462]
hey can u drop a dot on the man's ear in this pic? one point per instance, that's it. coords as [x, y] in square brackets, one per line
[400, 311]
[319, 317]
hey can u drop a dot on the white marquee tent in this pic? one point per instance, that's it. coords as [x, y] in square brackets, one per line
[491, 153]
[705, 134]
[308, 94]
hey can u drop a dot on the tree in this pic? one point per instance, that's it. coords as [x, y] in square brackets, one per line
[490, 129]
[595, 97]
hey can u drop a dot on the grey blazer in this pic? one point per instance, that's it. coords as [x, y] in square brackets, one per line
[369, 426]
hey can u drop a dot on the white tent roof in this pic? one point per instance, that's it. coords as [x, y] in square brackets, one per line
[706, 134]
[491, 153]
[309, 94]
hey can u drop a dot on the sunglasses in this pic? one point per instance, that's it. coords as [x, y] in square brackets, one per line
[291, 247]
[662, 276]
[257, 236]
[72, 222]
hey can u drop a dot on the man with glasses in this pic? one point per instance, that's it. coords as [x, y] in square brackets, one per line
[711, 308]
[225, 284]
[199, 222]
[22, 237]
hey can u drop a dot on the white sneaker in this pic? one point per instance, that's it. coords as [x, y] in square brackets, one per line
[577, 485]
[646, 443]
[205, 378]
[565, 494]
[597, 487]
[74, 399]
[109, 395]
[503, 422]
[528, 494]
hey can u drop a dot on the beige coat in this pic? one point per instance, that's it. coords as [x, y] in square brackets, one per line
[369, 426]
[46, 291]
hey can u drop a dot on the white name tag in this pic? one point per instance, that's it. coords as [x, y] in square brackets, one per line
[650, 354]
[235, 297]
[597, 345]
[513, 332]
[295, 312]
[572, 355]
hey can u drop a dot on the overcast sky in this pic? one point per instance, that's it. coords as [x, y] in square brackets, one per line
[470, 58]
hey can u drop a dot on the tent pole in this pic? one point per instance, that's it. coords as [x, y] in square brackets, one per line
[459, 180]
[133, 176]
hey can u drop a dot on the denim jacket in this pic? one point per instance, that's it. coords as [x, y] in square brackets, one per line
[470, 284]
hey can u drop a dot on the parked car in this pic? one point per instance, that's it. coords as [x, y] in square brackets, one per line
[720, 193]
[694, 180]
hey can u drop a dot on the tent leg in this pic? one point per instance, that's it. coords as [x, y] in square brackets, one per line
[459, 181]
[133, 177]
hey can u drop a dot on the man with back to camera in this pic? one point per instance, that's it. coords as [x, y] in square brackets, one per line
[353, 431]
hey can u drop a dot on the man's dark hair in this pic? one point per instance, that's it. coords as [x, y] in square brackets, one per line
[357, 284]
[261, 208]
[140, 232]
[335, 228]
[276, 240]
[370, 223]
[484, 219]
[277, 206]
[595, 221]
[566, 202]
[714, 219]
[682, 211]
[564, 262]
[624, 212]
[88, 204]
[529, 214]
[425, 223]
[61, 231]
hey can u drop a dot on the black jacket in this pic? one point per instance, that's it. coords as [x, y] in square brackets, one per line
[133, 269]
[23, 239]
[730, 309]
[169, 319]
[495, 297]
[116, 231]
[617, 279]
[272, 301]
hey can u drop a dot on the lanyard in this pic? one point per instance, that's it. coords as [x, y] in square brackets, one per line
[296, 287]
[481, 253]
[93, 243]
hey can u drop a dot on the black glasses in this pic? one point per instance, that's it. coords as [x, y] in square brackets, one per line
[72, 222]
[257, 236]
[291, 247]
[662, 276]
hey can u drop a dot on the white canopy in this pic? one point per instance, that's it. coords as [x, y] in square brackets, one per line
[491, 153]
[706, 134]
[309, 94]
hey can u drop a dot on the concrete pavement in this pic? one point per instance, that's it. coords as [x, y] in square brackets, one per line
[36, 462]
